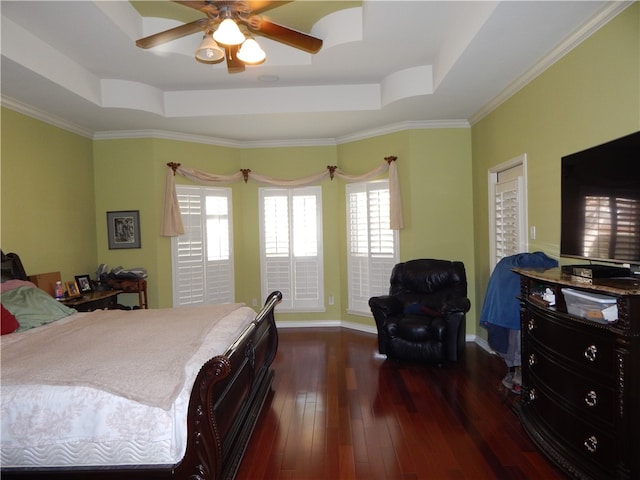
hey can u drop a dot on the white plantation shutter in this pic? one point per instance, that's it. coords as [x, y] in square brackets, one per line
[275, 261]
[202, 257]
[509, 228]
[507, 191]
[372, 245]
[291, 246]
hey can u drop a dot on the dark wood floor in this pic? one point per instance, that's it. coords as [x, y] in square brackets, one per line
[337, 412]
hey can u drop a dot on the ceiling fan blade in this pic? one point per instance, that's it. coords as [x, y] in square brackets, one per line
[285, 35]
[173, 33]
[234, 65]
[259, 6]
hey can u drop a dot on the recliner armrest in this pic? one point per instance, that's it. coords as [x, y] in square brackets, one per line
[459, 304]
[386, 304]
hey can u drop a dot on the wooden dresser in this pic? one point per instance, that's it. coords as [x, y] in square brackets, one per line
[580, 402]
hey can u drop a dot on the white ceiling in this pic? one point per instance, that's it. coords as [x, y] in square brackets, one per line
[384, 66]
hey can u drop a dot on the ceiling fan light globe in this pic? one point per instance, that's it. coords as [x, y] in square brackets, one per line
[228, 33]
[209, 51]
[251, 53]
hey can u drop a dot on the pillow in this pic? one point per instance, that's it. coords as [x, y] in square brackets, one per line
[9, 322]
[419, 309]
[33, 307]
[15, 283]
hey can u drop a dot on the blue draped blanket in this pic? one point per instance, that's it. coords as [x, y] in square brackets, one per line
[501, 308]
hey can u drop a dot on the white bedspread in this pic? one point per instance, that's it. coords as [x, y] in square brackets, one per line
[139, 354]
[62, 425]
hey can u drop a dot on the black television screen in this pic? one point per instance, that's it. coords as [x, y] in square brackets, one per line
[600, 218]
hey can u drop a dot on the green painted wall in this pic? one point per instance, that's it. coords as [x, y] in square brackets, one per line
[125, 179]
[590, 96]
[47, 197]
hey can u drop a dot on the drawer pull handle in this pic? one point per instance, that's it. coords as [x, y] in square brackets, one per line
[532, 359]
[591, 444]
[591, 398]
[531, 325]
[590, 353]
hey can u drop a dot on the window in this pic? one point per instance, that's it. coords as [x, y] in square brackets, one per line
[372, 245]
[291, 246]
[507, 209]
[202, 257]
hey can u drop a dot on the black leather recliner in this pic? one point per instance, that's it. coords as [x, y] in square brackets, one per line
[424, 316]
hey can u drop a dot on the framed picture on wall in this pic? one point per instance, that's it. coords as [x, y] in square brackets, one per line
[123, 229]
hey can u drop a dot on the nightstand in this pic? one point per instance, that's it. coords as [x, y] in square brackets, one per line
[132, 285]
[88, 302]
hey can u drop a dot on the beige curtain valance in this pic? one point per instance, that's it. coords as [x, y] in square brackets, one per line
[172, 221]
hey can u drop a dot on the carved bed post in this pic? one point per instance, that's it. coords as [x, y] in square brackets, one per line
[203, 437]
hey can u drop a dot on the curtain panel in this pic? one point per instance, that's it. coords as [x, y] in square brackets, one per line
[172, 226]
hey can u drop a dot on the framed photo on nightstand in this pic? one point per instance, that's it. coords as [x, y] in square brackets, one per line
[84, 283]
[72, 289]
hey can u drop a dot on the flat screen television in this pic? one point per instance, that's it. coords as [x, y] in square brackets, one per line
[600, 217]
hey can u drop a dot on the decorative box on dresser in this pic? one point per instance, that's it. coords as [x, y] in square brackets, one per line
[580, 401]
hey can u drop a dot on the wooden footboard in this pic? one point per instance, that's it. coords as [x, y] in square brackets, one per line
[225, 402]
[227, 398]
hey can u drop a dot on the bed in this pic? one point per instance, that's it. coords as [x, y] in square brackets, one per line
[129, 394]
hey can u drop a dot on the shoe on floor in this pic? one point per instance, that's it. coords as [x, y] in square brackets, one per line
[517, 381]
[507, 381]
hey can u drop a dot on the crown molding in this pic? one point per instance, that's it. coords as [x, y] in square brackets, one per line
[204, 139]
[606, 14]
[402, 126]
[311, 142]
[43, 116]
[166, 135]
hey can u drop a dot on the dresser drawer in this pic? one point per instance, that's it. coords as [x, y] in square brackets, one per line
[592, 445]
[585, 395]
[586, 348]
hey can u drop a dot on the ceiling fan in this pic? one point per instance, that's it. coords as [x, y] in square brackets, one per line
[221, 24]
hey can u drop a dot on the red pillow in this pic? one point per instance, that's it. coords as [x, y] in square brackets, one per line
[9, 322]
